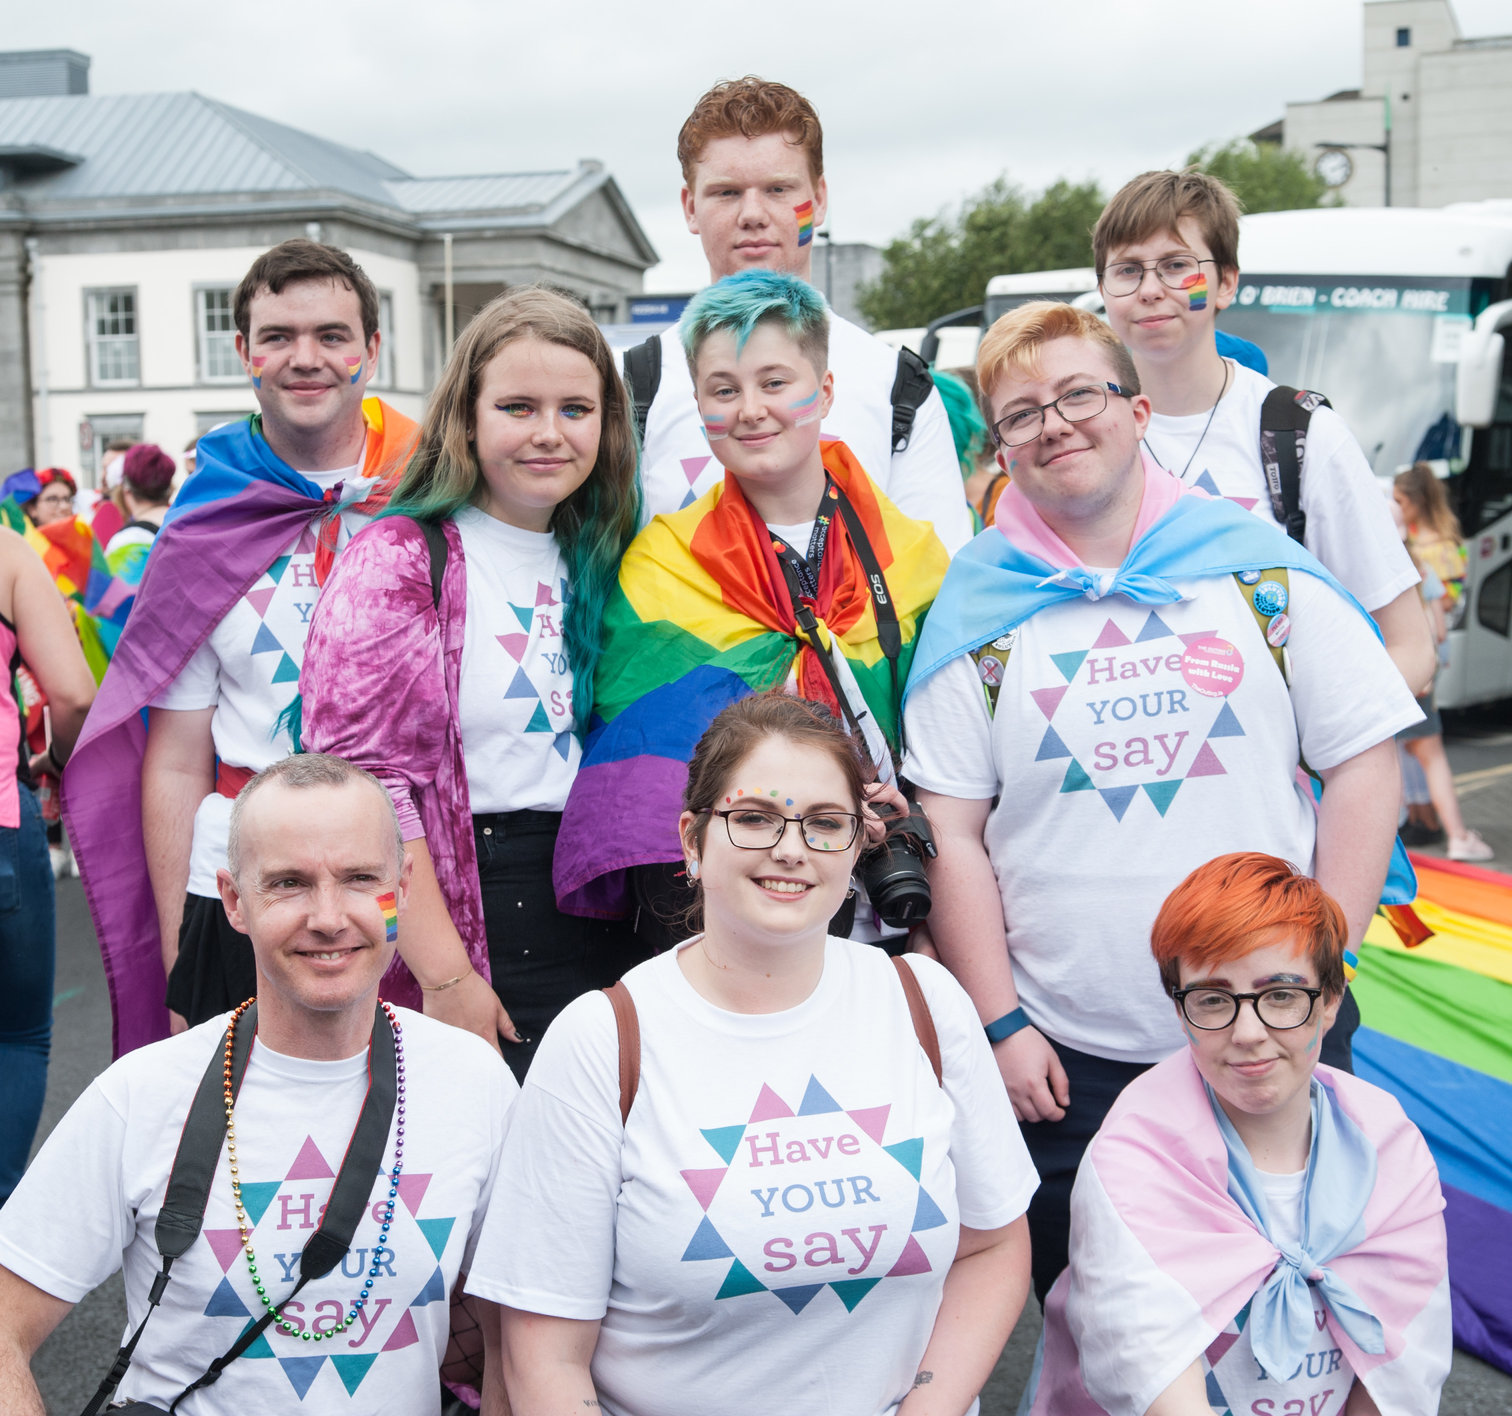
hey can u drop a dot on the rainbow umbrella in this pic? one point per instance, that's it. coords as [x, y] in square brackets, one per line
[1439, 1037]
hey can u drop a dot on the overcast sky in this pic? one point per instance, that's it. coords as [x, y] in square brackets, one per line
[921, 104]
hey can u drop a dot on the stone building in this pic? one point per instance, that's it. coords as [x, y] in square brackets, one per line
[127, 220]
[1441, 103]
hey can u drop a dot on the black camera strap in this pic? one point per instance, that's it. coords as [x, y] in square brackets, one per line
[183, 1213]
[889, 632]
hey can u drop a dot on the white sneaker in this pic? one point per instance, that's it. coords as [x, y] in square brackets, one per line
[60, 862]
[1468, 847]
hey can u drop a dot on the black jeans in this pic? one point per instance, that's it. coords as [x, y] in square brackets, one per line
[540, 958]
[215, 970]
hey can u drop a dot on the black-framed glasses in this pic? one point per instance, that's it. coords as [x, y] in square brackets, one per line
[751, 828]
[1177, 272]
[1286, 1006]
[1076, 405]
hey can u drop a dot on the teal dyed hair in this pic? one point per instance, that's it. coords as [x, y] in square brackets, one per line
[597, 522]
[739, 303]
[967, 427]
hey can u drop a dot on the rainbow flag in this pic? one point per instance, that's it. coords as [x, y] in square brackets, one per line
[1196, 288]
[77, 565]
[805, 215]
[1438, 1035]
[701, 617]
[390, 908]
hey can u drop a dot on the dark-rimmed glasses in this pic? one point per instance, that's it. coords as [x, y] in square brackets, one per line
[1076, 405]
[753, 829]
[1213, 1009]
[1125, 277]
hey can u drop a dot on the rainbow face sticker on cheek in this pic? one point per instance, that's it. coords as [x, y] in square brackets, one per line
[805, 215]
[390, 908]
[257, 361]
[1196, 288]
[354, 368]
[805, 410]
[714, 429]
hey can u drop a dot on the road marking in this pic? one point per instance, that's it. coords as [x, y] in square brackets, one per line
[1487, 776]
[66, 995]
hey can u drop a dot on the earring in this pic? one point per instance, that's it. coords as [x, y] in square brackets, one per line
[692, 870]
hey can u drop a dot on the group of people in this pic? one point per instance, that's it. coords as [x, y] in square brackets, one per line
[504, 719]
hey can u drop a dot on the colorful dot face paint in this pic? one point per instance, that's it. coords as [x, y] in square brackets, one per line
[805, 215]
[1196, 288]
[390, 908]
[806, 410]
[354, 368]
[257, 361]
[714, 429]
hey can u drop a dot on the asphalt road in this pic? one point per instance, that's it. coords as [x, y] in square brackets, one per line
[70, 1364]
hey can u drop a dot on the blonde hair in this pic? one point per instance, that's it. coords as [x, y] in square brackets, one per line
[1013, 344]
[1426, 493]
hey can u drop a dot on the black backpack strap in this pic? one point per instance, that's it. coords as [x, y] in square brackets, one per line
[1284, 417]
[642, 378]
[435, 540]
[911, 386]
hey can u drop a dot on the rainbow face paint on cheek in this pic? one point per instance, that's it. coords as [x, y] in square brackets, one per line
[805, 409]
[390, 908]
[805, 215]
[714, 429]
[354, 368]
[257, 361]
[1196, 288]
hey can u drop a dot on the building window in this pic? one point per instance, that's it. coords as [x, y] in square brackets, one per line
[383, 375]
[102, 428]
[112, 336]
[217, 336]
[1404, 38]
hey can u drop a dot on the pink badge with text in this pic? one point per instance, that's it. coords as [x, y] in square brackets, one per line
[1212, 667]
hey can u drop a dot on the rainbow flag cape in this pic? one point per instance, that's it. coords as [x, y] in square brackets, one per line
[77, 565]
[701, 617]
[1438, 1035]
[239, 511]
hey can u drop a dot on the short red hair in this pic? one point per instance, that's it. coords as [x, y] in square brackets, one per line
[751, 108]
[1223, 910]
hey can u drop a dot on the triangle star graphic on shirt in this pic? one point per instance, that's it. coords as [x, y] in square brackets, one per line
[412, 1190]
[287, 670]
[433, 1292]
[309, 1164]
[539, 722]
[278, 567]
[266, 641]
[301, 1372]
[260, 1346]
[687, 501]
[257, 1196]
[225, 1244]
[544, 596]
[514, 645]
[260, 600]
[812, 1136]
[525, 614]
[225, 1304]
[307, 543]
[693, 466]
[562, 745]
[1207, 484]
[403, 1335]
[352, 1368]
[437, 1232]
[520, 686]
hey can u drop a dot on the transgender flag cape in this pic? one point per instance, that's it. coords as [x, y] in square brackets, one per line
[1165, 1253]
[242, 508]
[701, 617]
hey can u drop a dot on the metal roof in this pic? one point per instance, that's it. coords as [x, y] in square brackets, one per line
[518, 191]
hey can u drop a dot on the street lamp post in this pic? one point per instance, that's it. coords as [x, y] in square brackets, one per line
[828, 261]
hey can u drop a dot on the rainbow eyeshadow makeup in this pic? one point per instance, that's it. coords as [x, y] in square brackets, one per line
[1196, 287]
[257, 361]
[390, 909]
[807, 409]
[714, 429]
[805, 215]
[354, 368]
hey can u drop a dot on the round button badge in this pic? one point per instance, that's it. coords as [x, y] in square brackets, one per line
[991, 670]
[1248, 577]
[1278, 631]
[1270, 597]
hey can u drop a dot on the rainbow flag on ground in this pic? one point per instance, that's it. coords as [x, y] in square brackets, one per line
[1439, 1037]
[702, 617]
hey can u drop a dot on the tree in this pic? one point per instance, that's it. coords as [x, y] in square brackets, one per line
[1264, 176]
[945, 262]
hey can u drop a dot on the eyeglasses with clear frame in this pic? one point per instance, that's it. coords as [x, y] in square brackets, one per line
[1076, 405]
[1283, 1007]
[751, 828]
[1125, 277]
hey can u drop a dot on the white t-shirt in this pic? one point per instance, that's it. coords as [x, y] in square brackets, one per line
[89, 1203]
[516, 708]
[773, 1226]
[923, 481]
[1132, 743]
[248, 671]
[1349, 526]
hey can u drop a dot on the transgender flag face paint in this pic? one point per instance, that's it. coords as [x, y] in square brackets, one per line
[805, 410]
[1196, 287]
[714, 429]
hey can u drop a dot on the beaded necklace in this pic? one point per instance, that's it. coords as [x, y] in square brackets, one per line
[282, 1324]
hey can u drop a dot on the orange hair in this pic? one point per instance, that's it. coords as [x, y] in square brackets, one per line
[751, 108]
[1223, 910]
[1014, 342]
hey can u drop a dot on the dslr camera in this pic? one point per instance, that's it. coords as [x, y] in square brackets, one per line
[893, 870]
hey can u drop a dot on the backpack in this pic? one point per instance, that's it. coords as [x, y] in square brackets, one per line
[627, 1022]
[912, 384]
[1284, 417]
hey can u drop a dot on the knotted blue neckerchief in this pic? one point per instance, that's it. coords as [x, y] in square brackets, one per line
[1341, 1172]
